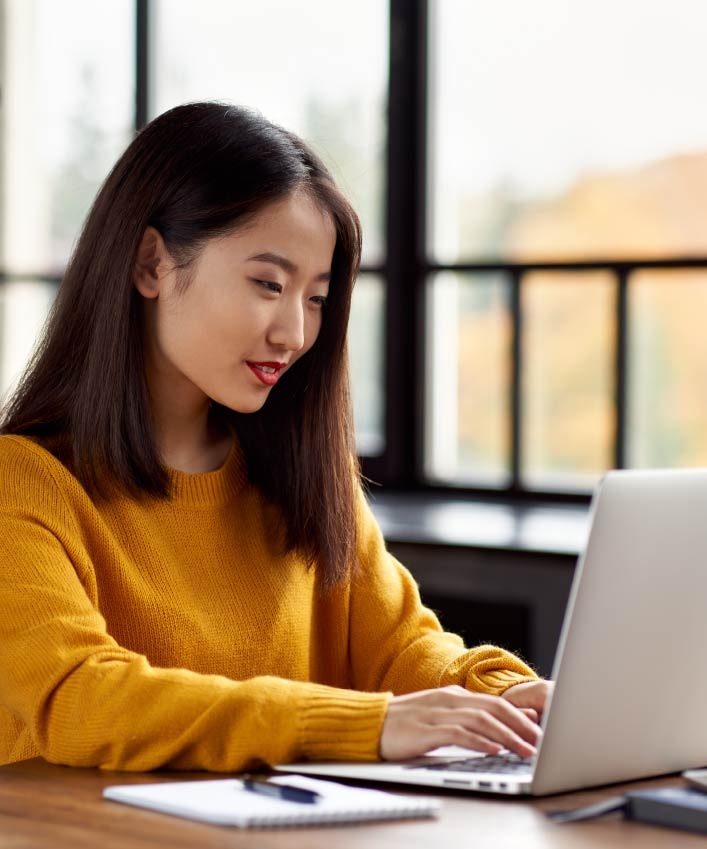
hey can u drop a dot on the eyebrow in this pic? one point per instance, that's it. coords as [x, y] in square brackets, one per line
[286, 264]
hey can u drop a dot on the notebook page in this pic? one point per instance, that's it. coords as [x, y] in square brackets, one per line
[226, 802]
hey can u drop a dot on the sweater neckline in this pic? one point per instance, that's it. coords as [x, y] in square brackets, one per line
[210, 488]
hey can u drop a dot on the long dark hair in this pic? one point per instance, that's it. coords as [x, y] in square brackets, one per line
[194, 173]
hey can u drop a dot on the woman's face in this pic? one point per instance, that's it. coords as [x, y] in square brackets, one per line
[252, 307]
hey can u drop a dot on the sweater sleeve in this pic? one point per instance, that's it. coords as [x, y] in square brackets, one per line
[397, 644]
[86, 701]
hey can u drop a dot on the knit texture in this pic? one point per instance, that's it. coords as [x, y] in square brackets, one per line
[174, 633]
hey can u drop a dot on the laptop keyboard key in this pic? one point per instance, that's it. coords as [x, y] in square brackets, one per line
[507, 764]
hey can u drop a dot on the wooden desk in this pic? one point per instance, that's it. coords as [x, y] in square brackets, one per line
[49, 806]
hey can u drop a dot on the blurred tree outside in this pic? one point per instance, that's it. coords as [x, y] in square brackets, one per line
[668, 357]
[77, 177]
[334, 130]
[568, 318]
[484, 375]
[357, 163]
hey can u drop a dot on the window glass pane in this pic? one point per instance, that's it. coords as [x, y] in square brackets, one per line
[563, 129]
[24, 306]
[318, 69]
[567, 389]
[467, 388]
[667, 416]
[366, 329]
[68, 98]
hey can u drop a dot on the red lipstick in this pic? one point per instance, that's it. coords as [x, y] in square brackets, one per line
[267, 373]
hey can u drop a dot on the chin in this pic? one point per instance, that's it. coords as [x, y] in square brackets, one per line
[241, 405]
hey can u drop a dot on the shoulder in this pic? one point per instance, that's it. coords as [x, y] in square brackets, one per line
[23, 451]
[29, 471]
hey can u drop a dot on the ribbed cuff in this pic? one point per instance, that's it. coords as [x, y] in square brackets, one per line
[498, 682]
[342, 724]
[490, 669]
[496, 670]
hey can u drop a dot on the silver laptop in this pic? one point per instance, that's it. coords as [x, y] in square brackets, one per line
[630, 697]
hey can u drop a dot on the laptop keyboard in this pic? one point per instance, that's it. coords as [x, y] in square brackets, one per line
[509, 764]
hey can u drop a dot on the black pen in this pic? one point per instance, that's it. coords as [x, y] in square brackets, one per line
[280, 791]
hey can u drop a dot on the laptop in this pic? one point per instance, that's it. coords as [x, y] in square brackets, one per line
[630, 698]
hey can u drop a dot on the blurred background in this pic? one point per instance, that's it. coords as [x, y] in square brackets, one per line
[532, 181]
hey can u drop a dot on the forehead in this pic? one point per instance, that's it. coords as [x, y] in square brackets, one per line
[295, 225]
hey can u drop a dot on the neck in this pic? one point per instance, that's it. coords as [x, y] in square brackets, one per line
[188, 451]
[188, 437]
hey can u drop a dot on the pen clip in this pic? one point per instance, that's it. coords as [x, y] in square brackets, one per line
[278, 790]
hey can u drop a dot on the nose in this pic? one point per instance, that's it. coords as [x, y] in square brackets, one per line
[287, 329]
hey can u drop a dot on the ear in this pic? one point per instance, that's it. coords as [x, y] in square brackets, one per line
[151, 263]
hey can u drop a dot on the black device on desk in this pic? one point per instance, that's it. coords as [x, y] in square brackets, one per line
[673, 807]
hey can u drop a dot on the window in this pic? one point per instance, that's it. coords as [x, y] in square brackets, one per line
[668, 368]
[567, 131]
[67, 112]
[532, 181]
[468, 378]
[567, 187]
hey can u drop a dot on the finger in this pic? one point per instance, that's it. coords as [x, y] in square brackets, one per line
[517, 719]
[484, 723]
[418, 738]
[425, 738]
[455, 699]
[531, 695]
[530, 713]
[458, 735]
[487, 725]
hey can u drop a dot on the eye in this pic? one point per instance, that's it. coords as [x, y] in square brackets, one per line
[269, 286]
[319, 301]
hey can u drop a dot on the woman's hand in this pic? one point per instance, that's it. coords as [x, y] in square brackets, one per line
[452, 716]
[531, 695]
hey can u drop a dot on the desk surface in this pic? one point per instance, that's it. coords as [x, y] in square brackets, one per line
[49, 806]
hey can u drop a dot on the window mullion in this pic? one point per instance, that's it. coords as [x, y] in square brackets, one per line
[406, 179]
[621, 366]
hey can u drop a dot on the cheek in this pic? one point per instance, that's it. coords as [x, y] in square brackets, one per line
[180, 333]
[214, 319]
[190, 332]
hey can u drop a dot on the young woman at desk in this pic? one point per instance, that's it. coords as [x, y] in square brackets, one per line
[191, 577]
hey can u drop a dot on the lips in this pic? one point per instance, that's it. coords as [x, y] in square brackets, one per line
[267, 372]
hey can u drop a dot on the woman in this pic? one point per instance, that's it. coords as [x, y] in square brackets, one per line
[191, 576]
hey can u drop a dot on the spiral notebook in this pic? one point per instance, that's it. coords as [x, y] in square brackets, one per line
[226, 802]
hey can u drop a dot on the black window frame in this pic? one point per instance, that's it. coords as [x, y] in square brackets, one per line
[409, 268]
[406, 270]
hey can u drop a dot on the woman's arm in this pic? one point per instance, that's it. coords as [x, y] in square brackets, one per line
[451, 693]
[84, 700]
[398, 644]
[88, 702]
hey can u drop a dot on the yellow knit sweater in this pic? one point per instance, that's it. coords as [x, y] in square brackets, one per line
[145, 634]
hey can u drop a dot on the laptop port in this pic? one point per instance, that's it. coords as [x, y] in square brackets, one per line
[486, 784]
